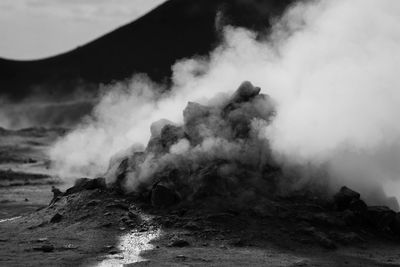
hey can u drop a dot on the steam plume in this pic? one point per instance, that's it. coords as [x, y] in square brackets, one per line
[331, 67]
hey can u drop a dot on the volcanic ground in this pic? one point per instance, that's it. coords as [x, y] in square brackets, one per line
[196, 207]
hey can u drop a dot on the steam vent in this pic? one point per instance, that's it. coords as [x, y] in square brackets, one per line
[202, 193]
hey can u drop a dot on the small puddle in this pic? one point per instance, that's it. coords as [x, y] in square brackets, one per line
[131, 245]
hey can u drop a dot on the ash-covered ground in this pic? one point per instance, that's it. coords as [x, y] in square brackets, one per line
[204, 193]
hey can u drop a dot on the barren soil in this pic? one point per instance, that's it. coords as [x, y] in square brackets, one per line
[102, 228]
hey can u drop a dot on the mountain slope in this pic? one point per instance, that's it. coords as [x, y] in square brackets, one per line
[152, 44]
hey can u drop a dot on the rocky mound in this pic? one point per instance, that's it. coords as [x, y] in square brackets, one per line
[219, 162]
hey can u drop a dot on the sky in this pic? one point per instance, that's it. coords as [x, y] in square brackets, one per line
[33, 29]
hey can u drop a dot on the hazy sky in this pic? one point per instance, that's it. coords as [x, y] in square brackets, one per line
[31, 29]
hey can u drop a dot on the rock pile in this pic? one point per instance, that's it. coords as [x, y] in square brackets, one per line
[217, 151]
[356, 212]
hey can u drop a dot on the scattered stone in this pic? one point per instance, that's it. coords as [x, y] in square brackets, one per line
[177, 242]
[192, 226]
[70, 247]
[344, 197]
[45, 248]
[56, 218]
[107, 224]
[133, 216]
[181, 257]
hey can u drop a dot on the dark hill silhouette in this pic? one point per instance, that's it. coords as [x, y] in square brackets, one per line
[152, 44]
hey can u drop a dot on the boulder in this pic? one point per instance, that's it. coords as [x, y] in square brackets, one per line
[169, 135]
[195, 116]
[180, 243]
[395, 227]
[45, 248]
[83, 184]
[156, 127]
[56, 218]
[245, 92]
[358, 206]
[381, 217]
[344, 197]
[162, 196]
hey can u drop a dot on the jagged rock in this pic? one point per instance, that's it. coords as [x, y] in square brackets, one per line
[245, 92]
[86, 184]
[381, 217]
[56, 218]
[57, 194]
[195, 116]
[156, 127]
[358, 206]
[344, 197]
[162, 196]
[169, 135]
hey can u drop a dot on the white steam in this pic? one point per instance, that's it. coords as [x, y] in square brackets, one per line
[332, 68]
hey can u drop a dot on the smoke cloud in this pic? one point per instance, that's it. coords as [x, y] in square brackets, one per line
[331, 68]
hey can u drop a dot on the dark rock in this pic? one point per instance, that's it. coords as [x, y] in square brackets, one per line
[194, 116]
[324, 241]
[118, 205]
[56, 218]
[381, 217]
[358, 206]
[344, 197]
[170, 135]
[57, 194]
[395, 227]
[93, 202]
[83, 184]
[192, 226]
[245, 92]
[45, 248]
[180, 243]
[350, 218]
[162, 196]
